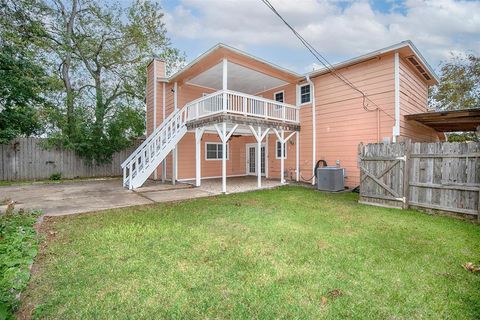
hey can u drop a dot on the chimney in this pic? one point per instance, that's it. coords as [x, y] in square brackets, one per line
[154, 96]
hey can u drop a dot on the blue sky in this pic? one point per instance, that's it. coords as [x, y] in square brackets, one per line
[338, 29]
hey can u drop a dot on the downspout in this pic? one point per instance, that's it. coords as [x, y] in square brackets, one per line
[314, 127]
[396, 127]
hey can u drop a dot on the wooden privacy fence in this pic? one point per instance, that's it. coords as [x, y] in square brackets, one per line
[26, 159]
[438, 176]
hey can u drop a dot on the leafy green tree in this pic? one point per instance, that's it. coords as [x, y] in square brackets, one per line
[22, 79]
[459, 89]
[102, 50]
[459, 86]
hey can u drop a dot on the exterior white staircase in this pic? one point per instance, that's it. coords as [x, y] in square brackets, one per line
[146, 158]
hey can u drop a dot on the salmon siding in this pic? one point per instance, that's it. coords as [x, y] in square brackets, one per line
[341, 121]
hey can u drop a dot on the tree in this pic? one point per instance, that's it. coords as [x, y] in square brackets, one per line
[22, 80]
[459, 86]
[102, 52]
[459, 89]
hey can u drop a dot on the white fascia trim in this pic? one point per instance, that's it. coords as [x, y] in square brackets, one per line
[163, 100]
[396, 127]
[314, 126]
[154, 96]
[373, 54]
[222, 45]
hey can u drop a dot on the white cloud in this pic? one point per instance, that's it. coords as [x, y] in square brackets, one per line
[437, 27]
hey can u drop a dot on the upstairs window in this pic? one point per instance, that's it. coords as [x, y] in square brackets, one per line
[279, 96]
[214, 151]
[305, 94]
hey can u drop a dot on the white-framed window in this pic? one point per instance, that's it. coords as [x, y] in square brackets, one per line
[305, 96]
[279, 96]
[213, 151]
[278, 150]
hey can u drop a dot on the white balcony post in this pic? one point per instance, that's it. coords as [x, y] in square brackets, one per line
[198, 157]
[244, 106]
[282, 158]
[259, 136]
[297, 156]
[175, 96]
[224, 136]
[174, 165]
[124, 175]
[225, 83]
[130, 175]
[224, 158]
[259, 159]
[164, 169]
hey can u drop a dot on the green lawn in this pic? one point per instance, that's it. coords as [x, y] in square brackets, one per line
[286, 253]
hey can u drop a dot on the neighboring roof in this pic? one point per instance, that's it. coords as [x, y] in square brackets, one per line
[449, 121]
[403, 44]
[237, 51]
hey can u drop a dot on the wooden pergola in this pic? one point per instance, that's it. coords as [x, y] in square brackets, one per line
[449, 121]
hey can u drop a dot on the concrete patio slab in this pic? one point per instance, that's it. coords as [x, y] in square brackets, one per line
[93, 195]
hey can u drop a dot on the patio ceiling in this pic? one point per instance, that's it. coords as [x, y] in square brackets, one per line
[240, 79]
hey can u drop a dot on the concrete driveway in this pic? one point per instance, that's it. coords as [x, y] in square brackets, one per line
[92, 195]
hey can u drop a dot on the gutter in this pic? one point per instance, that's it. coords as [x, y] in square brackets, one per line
[314, 126]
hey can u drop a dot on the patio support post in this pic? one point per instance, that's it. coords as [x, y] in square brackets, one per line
[283, 140]
[164, 170]
[198, 157]
[224, 136]
[297, 156]
[174, 165]
[224, 160]
[259, 136]
[225, 83]
[282, 157]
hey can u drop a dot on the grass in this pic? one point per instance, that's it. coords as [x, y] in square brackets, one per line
[285, 253]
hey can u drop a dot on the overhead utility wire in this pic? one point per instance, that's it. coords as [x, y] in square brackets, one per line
[325, 62]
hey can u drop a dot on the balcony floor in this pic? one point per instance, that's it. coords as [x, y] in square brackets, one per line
[242, 120]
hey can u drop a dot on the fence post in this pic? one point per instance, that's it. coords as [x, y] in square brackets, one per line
[406, 173]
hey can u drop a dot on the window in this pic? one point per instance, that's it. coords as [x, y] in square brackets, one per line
[305, 94]
[213, 151]
[278, 96]
[278, 153]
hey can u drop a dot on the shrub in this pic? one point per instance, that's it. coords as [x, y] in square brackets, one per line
[18, 248]
[56, 176]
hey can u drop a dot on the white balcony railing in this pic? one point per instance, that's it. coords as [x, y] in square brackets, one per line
[227, 101]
